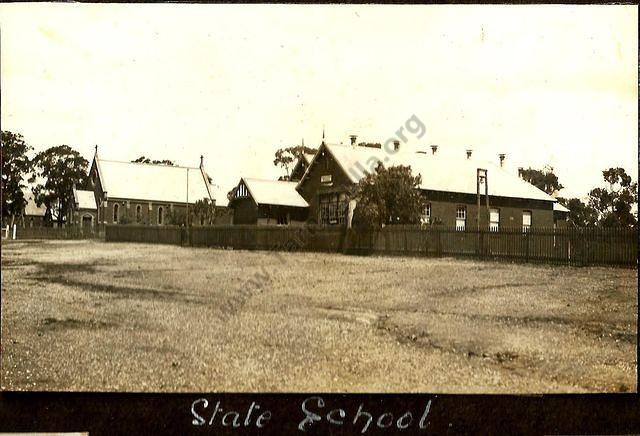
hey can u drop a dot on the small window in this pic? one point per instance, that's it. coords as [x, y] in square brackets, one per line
[461, 218]
[138, 213]
[426, 215]
[494, 220]
[283, 217]
[326, 179]
[526, 220]
[160, 212]
[116, 208]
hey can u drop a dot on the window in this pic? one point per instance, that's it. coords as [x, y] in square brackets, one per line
[138, 213]
[116, 208]
[426, 214]
[526, 220]
[160, 212]
[494, 220]
[326, 179]
[461, 218]
[333, 208]
[283, 217]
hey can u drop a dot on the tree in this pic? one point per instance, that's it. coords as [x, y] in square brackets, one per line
[60, 168]
[144, 159]
[389, 196]
[543, 179]
[580, 213]
[614, 202]
[286, 157]
[15, 167]
[204, 212]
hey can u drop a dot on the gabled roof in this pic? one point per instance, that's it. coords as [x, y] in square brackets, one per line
[276, 192]
[557, 207]
[31, 208]
[165, 183]
[84, 199]
[308, 157]
[438, 173]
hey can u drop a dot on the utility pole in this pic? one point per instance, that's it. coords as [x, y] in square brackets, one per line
[187, 217]
[481, 178]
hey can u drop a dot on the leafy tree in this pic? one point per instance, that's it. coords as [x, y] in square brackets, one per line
[388, 196]
[60, 167]
[15, 167]
[203, 212]
[543, 179]
[144, 159]
[176, 217]
[287, 157]
[580, 214]
[614, 202]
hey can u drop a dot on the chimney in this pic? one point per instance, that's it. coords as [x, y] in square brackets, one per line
[396, 145]
[501, 156]
[353, 139]
[201, 161]
[469, 151]
[434, 148]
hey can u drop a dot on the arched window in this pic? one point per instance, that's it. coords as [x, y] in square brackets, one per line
[138, 213]
[160, 211]
[116, 208]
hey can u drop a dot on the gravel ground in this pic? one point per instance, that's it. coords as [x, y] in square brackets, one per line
[89, 315]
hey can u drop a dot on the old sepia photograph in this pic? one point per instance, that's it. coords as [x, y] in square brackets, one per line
[319, 198]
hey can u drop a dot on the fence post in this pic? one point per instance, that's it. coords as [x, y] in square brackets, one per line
[14, 231]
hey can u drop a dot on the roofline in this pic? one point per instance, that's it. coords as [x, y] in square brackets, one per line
[142, 163]
[304, 176]
[146, 200]
[242, 180]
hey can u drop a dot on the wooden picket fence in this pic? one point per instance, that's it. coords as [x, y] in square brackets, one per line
[567, 246]
[69, 232]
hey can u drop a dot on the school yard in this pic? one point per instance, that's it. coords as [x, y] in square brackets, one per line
[89, 315]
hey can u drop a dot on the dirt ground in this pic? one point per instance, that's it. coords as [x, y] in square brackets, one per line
[89, 315]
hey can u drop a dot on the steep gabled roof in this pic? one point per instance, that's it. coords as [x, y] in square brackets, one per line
[84, 199]
[31, 208]
[148, 182]
[438, 173]
[275, 192]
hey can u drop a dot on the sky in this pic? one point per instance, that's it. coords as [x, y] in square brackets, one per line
[546, 85]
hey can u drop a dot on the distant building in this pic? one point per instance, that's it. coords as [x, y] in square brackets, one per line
[34, 215]
[258, 201]
[560, 215]
[84, 211]
[449, 186]
[301, 166]
[149, 194]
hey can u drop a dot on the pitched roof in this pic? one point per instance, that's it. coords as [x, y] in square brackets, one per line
[276, 192]
[84, 199]
[138, 181]
[438, 173]
[31, 208]
[557, 207]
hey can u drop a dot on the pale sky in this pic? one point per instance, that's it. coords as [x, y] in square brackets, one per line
[551, 85]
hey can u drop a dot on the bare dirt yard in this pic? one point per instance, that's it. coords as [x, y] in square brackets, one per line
[89, 315]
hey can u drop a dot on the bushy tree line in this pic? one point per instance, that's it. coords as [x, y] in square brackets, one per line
[51, 173]
[610, 205]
